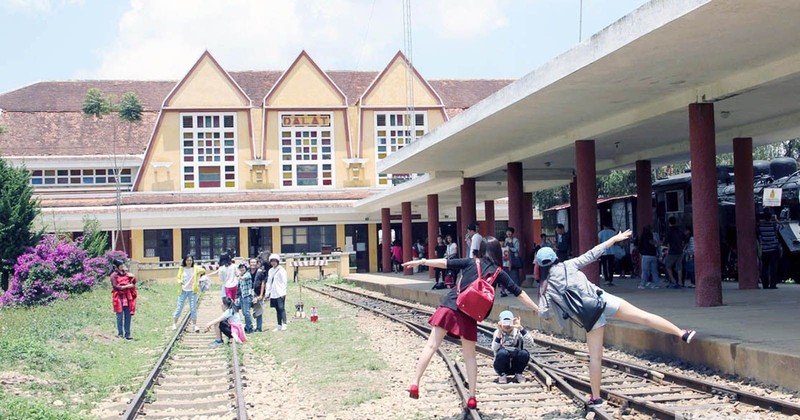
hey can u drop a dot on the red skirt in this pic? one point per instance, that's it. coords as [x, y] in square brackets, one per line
[457, 323]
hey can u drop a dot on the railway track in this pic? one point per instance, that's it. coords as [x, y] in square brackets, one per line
[191, 379]
[631, 391]
[540, 396]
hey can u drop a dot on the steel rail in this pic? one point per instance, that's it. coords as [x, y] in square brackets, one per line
[241, 408]
[749, 398]
[138, 400]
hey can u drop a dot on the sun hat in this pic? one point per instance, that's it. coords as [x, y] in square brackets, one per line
[275, 257]
[506, 315]
[546, 257]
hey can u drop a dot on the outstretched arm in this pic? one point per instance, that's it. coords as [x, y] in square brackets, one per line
[527, 301]
[437, 263]
[593, 254]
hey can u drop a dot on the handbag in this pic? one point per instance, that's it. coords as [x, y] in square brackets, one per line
[586, 307]
[477, 299]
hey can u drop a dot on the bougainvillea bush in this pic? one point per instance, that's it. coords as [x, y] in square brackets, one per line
[54, 269]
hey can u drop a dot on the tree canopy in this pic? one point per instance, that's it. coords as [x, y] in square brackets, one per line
[18, 210]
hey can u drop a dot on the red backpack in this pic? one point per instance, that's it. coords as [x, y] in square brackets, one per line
[477, 299]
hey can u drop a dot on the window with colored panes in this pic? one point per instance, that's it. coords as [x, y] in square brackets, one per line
[208, 152]
[393, 131]
[306, 150]
[81, 177]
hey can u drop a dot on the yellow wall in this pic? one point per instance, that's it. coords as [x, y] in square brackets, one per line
[243, 242]
[391, 88]
[276, 239]
[372, 244]
[207, 87]
[303, 85]
[340, 236]
[177, 244]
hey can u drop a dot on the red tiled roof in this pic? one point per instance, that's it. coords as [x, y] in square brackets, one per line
[72, 134]
[271, 196]
[45, 118]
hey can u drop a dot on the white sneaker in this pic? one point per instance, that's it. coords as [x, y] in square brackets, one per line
[174, 327]
[502, 379]
[278, 328]
[284, 327]
[196, 329]
[641, 287]
[520, 378]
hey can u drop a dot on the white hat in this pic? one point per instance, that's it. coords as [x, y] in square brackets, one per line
[275, 257]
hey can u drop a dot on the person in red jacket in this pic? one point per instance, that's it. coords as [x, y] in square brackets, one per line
[123, 298]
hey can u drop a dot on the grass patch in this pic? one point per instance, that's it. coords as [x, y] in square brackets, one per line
[71, 349]
[335, 343]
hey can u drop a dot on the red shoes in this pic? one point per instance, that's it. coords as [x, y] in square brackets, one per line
[472, 403]
[413, 392]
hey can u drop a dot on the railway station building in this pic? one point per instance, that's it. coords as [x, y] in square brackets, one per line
[249, 161]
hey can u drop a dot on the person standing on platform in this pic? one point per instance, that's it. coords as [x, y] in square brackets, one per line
[515, 259]
[607, 259]
[452, 248]
[441, 252]
[648, 249]
[563, 244]
[555, 274]
[688, 257]
[673, 262]
[449, 320]
[475, 240]
[770, 249]
[397, 256]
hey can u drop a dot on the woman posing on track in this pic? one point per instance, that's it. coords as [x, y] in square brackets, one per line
[554, 275]
[448, 319]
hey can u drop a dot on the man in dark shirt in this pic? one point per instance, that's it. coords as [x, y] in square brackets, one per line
[770, 250]
[563, 246]
[673, 262]
[259, 278]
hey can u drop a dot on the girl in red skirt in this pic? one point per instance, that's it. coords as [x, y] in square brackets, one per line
[448, 319]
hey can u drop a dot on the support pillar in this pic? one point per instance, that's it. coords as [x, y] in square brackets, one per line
[527, 236]
[514, 176]
[644, 196]
[459, 238]
[386, 240]
[488, 211]
[433, 229]
[407, 239]
[705, 216]
[586, 184]
[573, 217]
[468, 201]
[745, 213]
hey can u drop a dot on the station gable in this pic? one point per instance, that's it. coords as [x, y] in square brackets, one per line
[304, 84]
[207, 85]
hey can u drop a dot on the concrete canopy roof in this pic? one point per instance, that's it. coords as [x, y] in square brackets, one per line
[628, 88]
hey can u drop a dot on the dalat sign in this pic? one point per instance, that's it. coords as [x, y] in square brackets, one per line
[306, 120]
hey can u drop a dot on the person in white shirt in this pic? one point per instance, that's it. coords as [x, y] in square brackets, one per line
[452, 248]
[275, 290]
[475, 240]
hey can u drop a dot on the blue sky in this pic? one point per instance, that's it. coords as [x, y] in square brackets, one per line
[161, 39]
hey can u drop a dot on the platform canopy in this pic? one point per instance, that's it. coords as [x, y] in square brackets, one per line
[628, 88]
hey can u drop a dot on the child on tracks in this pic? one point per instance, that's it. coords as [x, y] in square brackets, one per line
[508, 345]
[227, 324]
[555, 274]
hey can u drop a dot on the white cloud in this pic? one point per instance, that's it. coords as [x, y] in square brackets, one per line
[161, 39]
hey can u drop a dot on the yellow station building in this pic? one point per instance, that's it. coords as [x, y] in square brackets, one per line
[250, 161]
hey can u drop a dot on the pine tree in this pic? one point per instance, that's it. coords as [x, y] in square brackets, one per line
[18, 210]
[95, 241]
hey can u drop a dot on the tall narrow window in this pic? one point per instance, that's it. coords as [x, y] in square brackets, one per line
[393, 131]
[208, 152]
[306, 150]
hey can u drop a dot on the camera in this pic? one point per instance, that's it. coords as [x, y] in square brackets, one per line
[507, 322]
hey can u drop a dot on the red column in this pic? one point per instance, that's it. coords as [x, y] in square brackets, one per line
[468, 202]
[459, 237]
[407, 239]
[586, 184]
[644, 195]
[527, 237]
[386, 241]
[745, 213]
[433, 229]
[488, 211]
[573, 217]
[514, 174]
[705, 217]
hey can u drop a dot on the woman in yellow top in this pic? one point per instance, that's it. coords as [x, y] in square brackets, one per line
[189, 282]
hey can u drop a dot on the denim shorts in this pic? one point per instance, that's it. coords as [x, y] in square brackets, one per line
[612, 306]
